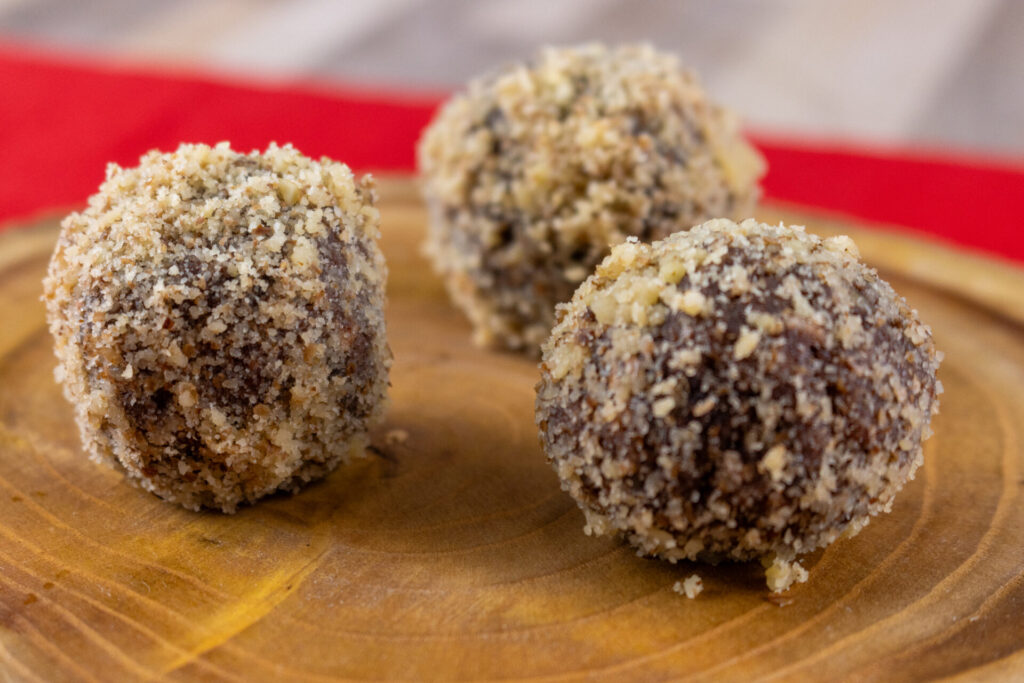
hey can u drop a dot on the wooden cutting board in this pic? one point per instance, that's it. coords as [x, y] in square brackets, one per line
[453, 553]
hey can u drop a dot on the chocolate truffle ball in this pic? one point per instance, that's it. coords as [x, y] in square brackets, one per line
[218, 320]
[736, 391]
[533, 172]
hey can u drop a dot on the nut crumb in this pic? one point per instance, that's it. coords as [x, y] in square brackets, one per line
[396, 437]
[774, 462]
[782, 574]
[691, 587]
[746, 343]
[664, 406]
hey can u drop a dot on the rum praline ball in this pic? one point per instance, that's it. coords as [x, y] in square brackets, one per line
[218, 321]
[736, 391]
[533, 172]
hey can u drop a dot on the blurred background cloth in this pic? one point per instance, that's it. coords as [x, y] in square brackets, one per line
[936, 73]
[904, 112]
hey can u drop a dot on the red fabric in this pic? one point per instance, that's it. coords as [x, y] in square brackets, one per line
[972, 202]
[61, 120]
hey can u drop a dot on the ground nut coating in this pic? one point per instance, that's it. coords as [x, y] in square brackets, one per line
[735, 391]
[533, 172]
[218, 320]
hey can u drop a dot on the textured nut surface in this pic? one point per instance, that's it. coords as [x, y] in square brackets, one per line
[764, 422]
[218, 321]
[534, 171]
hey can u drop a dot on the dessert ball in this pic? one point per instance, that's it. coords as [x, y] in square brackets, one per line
[533, 172]
[736, 391]
[218, 320]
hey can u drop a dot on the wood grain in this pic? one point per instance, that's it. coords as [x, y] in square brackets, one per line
[455, 554]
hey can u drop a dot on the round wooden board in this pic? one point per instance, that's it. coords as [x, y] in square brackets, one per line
[454, 554]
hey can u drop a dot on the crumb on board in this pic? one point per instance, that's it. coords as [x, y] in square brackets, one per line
[396, 437]
[782, 574]
[691, 587]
